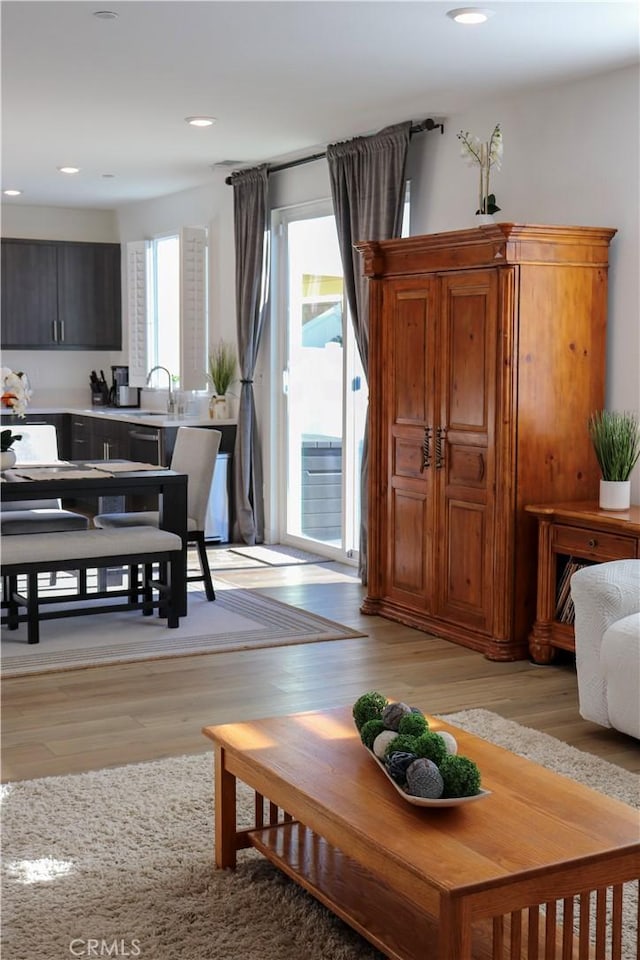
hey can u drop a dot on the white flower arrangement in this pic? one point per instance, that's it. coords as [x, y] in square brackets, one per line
[16, 391]
[486, 155]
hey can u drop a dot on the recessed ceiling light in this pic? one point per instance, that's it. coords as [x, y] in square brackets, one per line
[200, 121]
[470, 14]
[12, 193]
[68, 169]
[106, 15]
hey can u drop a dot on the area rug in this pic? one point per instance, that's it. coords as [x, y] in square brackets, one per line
[237, 620]
[124, 857]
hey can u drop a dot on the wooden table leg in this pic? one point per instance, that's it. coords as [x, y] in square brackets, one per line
[454, 930]
[225, 812]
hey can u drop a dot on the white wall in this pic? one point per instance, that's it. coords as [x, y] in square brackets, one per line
[571, 156]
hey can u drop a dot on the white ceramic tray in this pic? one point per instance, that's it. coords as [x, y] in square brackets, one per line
[423, 801]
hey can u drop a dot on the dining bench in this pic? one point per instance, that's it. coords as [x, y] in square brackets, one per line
[38, 553]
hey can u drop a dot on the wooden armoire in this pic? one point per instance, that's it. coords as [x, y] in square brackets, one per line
[486, 358]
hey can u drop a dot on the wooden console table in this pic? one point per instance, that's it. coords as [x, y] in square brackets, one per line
[580, 532]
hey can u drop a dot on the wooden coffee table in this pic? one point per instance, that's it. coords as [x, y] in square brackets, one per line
[489, 879]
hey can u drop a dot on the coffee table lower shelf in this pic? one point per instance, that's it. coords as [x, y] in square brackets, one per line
[391, 924]
[399, 929]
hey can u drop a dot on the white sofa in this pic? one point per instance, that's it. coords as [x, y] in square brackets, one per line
[606, 597]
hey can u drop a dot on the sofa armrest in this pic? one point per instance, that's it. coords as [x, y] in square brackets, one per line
[601, 594]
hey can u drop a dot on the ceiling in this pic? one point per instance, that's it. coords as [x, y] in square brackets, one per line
[282, 78]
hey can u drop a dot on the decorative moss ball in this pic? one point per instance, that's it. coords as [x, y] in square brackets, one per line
[402, 743]
[432, 747]
[393, 714]
[461, 776]
[368, 707]
[382, 741]
[424, 779]
[397, 764]
[370, 731]
[413, 723]
[450, 741]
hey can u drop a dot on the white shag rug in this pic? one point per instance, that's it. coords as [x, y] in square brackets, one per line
[236, 620]
[124, 857]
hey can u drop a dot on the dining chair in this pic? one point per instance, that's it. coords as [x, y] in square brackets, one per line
[195, 454]
[38, 446]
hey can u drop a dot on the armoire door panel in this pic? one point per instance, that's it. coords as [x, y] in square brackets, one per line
[469, 306]
[407, 550]
[467, 466]
[410, 356]
[408, 455]
[463, 595]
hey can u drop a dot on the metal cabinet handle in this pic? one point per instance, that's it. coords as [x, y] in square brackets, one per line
[154, 437]
[426, 449]
[441, 434]
[61, 337]
[54, 331]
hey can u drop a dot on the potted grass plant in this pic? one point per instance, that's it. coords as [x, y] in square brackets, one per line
[616, 441]
[7, 455]
[221, 375]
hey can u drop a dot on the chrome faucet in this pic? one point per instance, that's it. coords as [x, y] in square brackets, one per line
[170, 400]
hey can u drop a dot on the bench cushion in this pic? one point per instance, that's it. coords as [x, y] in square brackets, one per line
[43, 520]
[83, 545]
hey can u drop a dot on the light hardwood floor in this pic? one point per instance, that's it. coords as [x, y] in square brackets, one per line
[107, 716]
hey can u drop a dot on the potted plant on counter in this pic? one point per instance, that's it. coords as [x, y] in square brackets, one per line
[7, 455]
[616, 441]
[221, 375]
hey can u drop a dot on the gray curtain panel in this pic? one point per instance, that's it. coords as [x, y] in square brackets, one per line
[251, 225]
[368, 188]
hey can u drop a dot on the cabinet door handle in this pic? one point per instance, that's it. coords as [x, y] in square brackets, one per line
[154, 437]
[105, 450]
[426, 449]
[441, 434]
[54, 331]
[593, 542]
[61, 337]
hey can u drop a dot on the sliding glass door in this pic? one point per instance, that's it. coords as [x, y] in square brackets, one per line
[323, 388]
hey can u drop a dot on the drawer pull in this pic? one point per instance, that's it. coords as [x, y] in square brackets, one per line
[593, 542]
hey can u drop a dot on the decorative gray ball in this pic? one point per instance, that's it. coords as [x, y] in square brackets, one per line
[382, 741]
[450, 742]
[397, 765]
[393, 714]
[424, 780]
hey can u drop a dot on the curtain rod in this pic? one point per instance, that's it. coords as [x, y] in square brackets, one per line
[427, 124]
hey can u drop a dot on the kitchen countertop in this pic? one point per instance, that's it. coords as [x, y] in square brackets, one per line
[152, 418]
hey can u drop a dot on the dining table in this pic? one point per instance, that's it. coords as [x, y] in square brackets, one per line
[91, 479]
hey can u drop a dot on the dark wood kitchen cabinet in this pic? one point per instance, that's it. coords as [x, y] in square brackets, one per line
[61, 295]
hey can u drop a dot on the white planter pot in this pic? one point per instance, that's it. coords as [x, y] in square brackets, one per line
[482, 219]
[7, 459]
[218, 408]
[615, 494]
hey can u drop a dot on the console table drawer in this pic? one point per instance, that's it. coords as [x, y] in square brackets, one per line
[592, 543]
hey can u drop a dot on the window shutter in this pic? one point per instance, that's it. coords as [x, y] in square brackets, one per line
[193, 308]
[137, 312]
